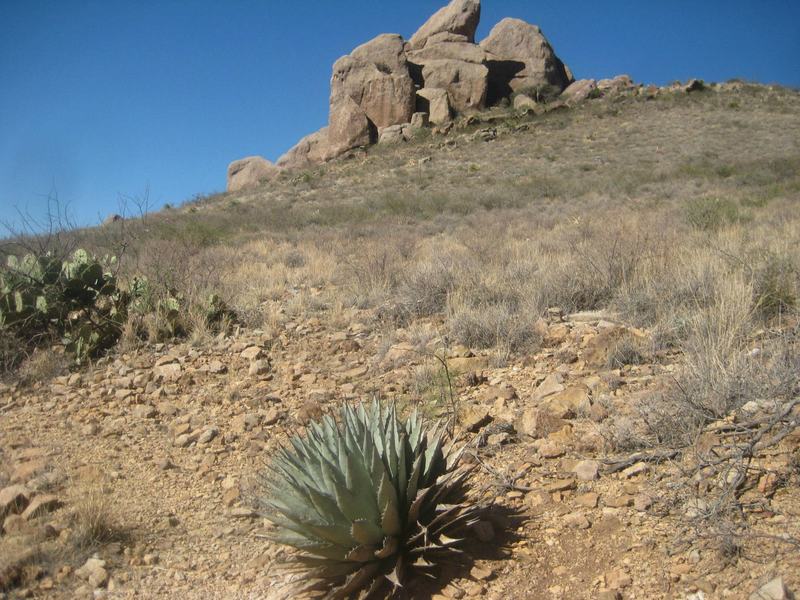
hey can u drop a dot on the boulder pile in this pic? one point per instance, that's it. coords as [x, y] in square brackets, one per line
[388, 87]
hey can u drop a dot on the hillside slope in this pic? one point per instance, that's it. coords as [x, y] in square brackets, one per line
[613, 288]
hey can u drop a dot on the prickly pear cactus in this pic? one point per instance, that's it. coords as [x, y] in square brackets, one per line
[77, 300]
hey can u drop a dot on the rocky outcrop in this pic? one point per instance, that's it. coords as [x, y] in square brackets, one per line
[523, 58]
[460, 17]
[579, 90]
[441, 71]
[435, 103]
[348, 126]
[466, 83]
[377, 77]
[394, 134]
[310, 150]
[456, 66]
[248, 172]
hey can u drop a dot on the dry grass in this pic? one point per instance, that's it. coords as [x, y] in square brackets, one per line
[646, 207]
[43, 365]
[93, 521]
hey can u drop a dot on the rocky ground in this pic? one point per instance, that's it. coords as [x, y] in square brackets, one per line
[163, 445]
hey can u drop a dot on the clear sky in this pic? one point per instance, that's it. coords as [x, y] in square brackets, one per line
[102, 98]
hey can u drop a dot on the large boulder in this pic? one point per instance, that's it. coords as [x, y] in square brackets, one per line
[523, 59]
[348, 127]
[249, 172]
[394, 134]
[460, 17]
[466, 82]
[376, 75]
[434, 102]
[309, 151]
[452, 50]
[580, 90]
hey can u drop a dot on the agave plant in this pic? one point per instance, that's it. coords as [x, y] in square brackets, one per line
[369, 502]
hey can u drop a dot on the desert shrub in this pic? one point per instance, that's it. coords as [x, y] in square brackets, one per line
[775, 280]
[93, 519]
[722, 369]
[542, 93]
[707, 392]
[594, 94]
[629, 351]
[43, 364]
[711, 214]
[426, 287]
[369, 501]
[492, 326]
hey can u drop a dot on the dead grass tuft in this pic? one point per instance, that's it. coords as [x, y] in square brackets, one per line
[94, 521]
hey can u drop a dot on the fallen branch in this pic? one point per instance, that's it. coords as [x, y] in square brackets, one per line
[614, 466]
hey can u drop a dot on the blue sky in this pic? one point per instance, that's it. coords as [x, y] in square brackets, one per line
[102, 98]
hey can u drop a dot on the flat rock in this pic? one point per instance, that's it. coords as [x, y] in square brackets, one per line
[774, 589]
[93, 571]
[551, 449]
[475, 418]
[588, 500]
[168, 372]
[587, 470]
[552, 384]
[560, 485]
[568, 403]
[258, 367]
[538, 423]
[577, 521]
[251, 353]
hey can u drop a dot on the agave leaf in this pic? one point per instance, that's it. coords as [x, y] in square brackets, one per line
[448, 541]
[335, 534]
[390, 546]
[361, 554]
[421, 563]
[327, 508]
[326, 552]
[364, 496]
[416, 506]
[326, 569]
[366, 532]
[356, 581]
[411, 487]
[387, 495]
[353, 506]
[374, 588]
[402, 469]
[390, 457]
[396, 575]
[390, 520]
[453, 522]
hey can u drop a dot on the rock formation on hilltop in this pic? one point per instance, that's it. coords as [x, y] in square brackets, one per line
[460, 17]
[247, 172]
[523, 59]
[388, 86]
